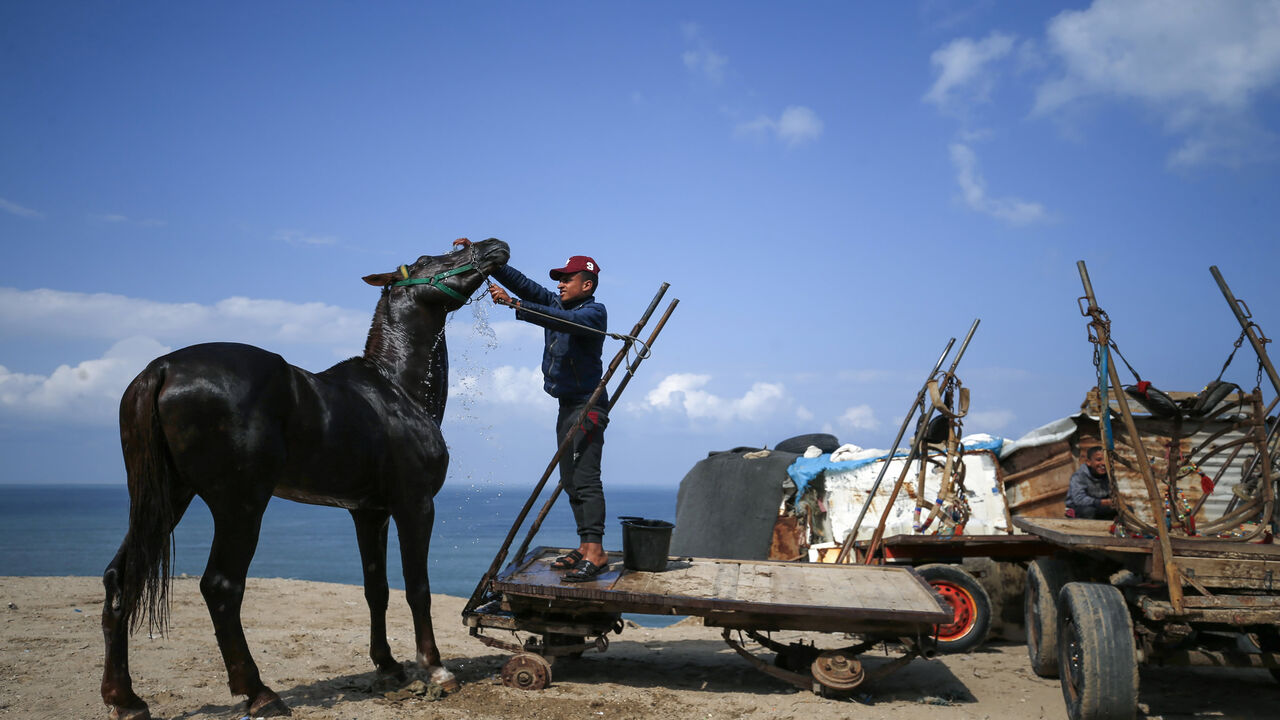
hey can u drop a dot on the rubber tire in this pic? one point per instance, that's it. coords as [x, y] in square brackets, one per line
[969, 602]
[825, 442]
[1096, 654]
[1045, 578]
[1268, 640]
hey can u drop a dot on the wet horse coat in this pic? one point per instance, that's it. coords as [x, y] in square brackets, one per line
[236, 424]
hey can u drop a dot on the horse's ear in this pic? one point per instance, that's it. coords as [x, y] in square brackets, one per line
[380, 279]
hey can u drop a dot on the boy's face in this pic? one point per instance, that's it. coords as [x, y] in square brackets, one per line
[1097, 462]
[573, 287]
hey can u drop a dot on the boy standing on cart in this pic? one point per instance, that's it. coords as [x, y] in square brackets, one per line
[574, 325]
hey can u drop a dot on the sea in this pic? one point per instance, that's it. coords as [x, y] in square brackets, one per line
[57, 530]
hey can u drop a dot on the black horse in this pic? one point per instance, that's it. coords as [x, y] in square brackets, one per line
[236, 424]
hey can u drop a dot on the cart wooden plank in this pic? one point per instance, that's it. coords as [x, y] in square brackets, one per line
[853, 597]
[1096, 535]
[935, 547]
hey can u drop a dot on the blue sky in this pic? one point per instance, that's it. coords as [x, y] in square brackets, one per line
[832, 190]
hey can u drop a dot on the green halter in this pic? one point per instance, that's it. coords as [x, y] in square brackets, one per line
[435, 281]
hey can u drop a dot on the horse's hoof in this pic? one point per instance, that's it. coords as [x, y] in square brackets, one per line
[269, 704]
[122, 713]
[446, 680]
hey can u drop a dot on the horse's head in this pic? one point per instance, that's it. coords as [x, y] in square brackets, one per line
[446, 280]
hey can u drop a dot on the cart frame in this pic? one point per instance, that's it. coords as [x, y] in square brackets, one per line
[883, 605]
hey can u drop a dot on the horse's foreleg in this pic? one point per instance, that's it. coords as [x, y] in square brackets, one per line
[371, 535]
[235, 538]
[117, 686]
[414, 529]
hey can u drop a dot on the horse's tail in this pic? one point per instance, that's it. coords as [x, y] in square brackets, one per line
[148, 545]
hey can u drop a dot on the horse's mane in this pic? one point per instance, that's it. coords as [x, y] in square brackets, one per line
[381, 349]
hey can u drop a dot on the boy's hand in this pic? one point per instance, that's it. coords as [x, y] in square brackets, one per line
[462, 242]
[499, 295]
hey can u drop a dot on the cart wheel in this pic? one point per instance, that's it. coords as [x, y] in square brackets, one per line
[1045, 578]
[527, 671]
[1096, 655]
[837, 671]
[970, 607]
[1268, 640]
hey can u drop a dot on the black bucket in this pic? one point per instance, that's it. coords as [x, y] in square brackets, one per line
[645, 544]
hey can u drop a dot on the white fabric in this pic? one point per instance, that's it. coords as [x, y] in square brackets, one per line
[849, 451]
[846, 492]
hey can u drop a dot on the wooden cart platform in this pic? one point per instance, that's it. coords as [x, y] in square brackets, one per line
[875, 602]
[739, 593]
[1096, 535]
[940, 548]
[1209, 566]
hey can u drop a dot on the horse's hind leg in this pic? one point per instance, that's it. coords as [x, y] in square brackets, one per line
[117, 685]
[235, 538]
[371, 534]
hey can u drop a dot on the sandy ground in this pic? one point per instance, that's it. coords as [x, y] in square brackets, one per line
[310, 642]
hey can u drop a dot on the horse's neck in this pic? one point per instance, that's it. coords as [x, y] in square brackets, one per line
[409, 347]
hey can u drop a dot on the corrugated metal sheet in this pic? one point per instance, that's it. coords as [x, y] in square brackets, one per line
[1036, 477]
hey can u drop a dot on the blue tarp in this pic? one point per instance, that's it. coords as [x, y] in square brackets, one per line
[804, 470]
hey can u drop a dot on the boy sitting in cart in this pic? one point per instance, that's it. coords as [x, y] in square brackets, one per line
[1089, 490]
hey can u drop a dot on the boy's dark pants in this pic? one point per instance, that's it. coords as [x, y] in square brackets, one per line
[580, 473]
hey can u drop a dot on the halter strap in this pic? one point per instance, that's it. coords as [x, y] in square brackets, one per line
[436, 281]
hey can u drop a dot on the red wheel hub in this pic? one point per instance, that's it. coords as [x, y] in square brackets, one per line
[963, 611]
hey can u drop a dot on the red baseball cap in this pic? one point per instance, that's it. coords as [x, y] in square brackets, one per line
[576, 264]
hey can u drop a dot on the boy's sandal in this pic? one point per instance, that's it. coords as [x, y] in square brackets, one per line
[585, 571]
[568, 561]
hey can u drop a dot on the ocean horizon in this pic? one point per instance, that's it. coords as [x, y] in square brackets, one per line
[56, 530]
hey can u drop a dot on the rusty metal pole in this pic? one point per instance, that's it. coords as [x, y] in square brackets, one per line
[482, 586]
[1172, 575]
[917, 450]
[1259, 343]
[1244, 317]
[843, 557]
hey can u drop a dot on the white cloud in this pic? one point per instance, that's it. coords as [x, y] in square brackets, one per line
[973, 188]
[57, 313]
[313, 335]
[86, 393]
[683, 392]
[988, 420]
[699, 58]
[799, 124]
[115, 218]
[858, 417]
[1201, 66]
[14, 208]
[795, 126]
[298, 237]
[515, 387]
[140, 330]
[964, 66]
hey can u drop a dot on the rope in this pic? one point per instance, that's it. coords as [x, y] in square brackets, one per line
[643, 349]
